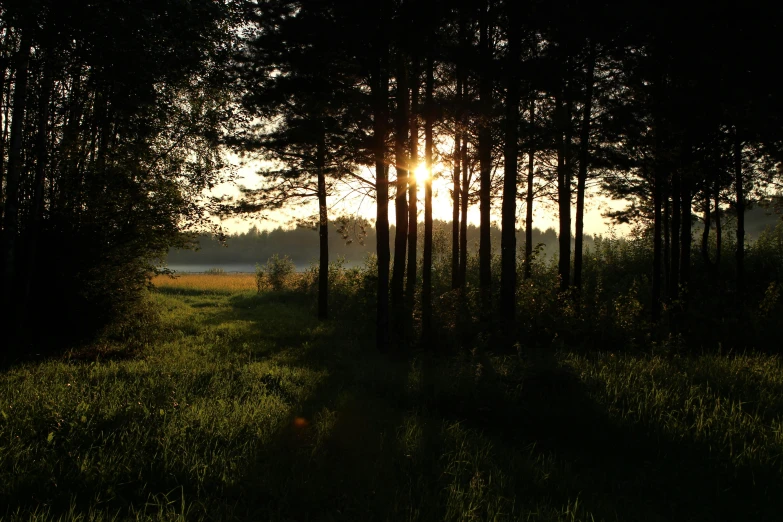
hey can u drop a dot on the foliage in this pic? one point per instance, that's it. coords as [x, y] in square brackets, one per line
[275, 273]
[116, 164]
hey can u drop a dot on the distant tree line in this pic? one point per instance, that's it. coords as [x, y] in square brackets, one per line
[256, 246]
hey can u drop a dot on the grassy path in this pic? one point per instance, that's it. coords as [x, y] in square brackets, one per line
[244, 407]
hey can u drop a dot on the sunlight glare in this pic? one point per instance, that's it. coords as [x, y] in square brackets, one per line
[421, 173]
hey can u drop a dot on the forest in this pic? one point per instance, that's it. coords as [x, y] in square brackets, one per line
[475, 368]
[300, 245]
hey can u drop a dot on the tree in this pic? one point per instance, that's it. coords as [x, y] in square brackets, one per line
[293, 72]
[114, 140]
[508, 279]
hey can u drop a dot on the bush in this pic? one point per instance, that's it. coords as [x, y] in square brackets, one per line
[275, 273]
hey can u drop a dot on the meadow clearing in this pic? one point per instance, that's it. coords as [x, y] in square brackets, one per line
[238, 405]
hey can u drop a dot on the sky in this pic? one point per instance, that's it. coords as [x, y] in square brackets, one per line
[347, 200]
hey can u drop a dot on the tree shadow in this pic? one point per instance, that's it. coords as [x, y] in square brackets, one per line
[381, 439]
[620, 470]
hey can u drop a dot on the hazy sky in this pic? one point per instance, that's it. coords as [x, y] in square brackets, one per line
[349, 200]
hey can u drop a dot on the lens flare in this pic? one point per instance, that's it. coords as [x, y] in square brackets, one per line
[421, 173]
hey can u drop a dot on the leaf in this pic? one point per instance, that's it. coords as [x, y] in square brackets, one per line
[50, 437]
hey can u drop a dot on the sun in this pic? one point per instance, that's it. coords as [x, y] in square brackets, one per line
[421, 173]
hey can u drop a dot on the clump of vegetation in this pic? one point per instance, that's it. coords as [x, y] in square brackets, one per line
[215, 271]
[275, 273]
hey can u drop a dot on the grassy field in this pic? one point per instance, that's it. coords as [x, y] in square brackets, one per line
[206, 282]
[241, 406]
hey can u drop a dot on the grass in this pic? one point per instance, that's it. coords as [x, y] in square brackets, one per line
[241, 406]
[224, 283]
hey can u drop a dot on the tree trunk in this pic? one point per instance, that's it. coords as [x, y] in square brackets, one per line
[666, 239]
[564, 196]
[740, 189]
[705, 235]
[686, 237]
[410, 288]
[42, 155]
[529, 196]
[657, 227]
[323, 233]
[584, 156]
[467, 174]
[658, 196]
[69, 195]
[380, 95]
[11, 217]
[718, 238]
[455, 193]
[674, 271]
[4, 62]
[485, 158]
[508, 248]
[401, 199]
[426, 292]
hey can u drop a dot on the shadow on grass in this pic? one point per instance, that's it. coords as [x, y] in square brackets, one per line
[361, 457]
[618, 471]
[454, 438]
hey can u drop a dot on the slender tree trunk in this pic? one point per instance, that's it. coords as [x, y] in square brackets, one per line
[485, 158]
[674, 272]
[657, 227]
[658, 196]
[529, 196]
[380, 95]
[508, 240]
[718, 238]
[4, 62]
[410, 288]
[42, 156]
[666, 239]
[739, 185]
[323, 233]
[401, 200]
[5, 96]
[426, 292]
[564, 196]
[705, 236]
[465, 100]
[467, 174]
[11, 217]
[686, 237]
[584, 156]
[69, 196]
[455, 193]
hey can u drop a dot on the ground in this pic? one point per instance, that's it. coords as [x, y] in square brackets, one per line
[242, 406]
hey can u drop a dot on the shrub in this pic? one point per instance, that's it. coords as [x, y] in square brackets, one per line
[275, 273]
